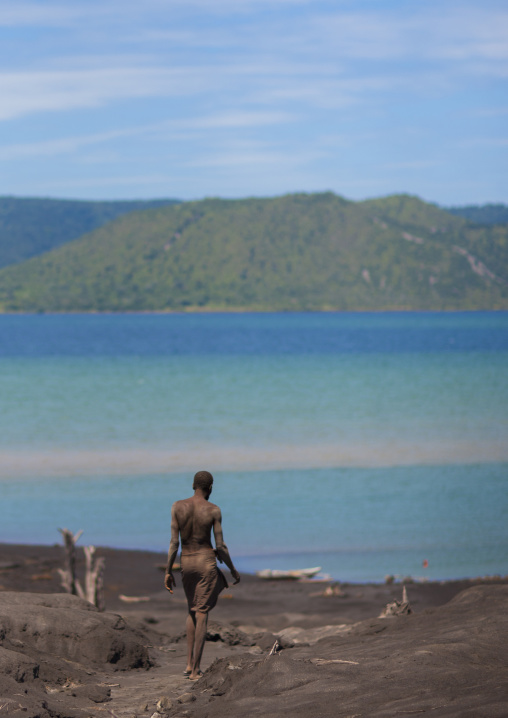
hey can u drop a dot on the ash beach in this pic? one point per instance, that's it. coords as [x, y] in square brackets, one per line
[300, 648]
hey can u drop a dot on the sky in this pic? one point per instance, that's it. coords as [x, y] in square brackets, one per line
[121, 99]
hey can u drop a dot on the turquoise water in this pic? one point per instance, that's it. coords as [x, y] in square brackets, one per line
[362, 443]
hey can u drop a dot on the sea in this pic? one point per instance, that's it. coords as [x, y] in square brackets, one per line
[367, 444]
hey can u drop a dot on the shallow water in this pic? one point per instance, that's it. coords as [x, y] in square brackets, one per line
[364, 443]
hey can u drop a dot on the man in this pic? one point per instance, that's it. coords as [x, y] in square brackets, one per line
[193, 520]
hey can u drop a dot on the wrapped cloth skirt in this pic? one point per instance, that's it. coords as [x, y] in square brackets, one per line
[202, 580]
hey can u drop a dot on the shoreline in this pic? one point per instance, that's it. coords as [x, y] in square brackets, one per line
[17, 560]
[34, 567]
[242, 310]
[339, 657]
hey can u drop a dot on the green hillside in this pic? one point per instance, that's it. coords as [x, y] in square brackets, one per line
[298, 252]
[30, 226]
[482, 213]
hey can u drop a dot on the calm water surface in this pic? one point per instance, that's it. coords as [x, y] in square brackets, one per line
[363, 443]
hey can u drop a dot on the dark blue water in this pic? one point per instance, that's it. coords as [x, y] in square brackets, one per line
[250, 334]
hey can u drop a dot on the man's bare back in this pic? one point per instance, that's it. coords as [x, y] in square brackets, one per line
[192, 522]
[195, 517]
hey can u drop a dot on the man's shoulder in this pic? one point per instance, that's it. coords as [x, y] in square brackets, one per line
[182, 503]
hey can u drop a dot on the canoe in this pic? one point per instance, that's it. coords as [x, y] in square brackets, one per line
[291, 575]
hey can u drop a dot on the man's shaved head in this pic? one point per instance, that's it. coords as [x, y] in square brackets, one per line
[203, 480]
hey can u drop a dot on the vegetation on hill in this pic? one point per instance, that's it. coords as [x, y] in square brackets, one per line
[29, 227]
[297, 252]
[482, 213]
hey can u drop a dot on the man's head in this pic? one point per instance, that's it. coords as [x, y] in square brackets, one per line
[203, 480]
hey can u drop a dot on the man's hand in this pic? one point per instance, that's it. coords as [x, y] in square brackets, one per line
[236, 577]
[169, 582]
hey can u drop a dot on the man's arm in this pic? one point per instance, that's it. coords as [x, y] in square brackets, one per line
[169, 580]
[222, 549]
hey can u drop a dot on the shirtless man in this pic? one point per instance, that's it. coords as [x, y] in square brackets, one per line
[193, 520]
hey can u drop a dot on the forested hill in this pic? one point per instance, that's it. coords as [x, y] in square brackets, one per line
[482, 213]
[297, 252]
[31, 226]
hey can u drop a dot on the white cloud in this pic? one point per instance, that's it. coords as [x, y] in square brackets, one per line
[167, 130]
[153, 180]
[59, 14]
[318, 60]
[24, 93]
[193, 77]
[427, 33]
[33, 14]
[412, 164]
[28, 92]
[66, 145]
[237, 158]
[239, 119]
[471, 33]
[252, 153]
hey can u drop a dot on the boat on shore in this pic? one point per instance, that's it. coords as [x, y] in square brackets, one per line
[293, 575]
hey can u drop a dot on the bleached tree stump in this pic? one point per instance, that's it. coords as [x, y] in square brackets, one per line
[68, 575]
[94, 579]
[397, 608]
[94, 575]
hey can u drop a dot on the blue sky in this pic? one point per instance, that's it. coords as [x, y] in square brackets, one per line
[116, 99]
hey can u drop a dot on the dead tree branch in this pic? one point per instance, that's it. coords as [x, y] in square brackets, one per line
[94, 576]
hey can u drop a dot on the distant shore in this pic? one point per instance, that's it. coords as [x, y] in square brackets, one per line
[252, 310]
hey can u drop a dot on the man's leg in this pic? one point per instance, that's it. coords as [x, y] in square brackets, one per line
[191, 634]
[199, 643]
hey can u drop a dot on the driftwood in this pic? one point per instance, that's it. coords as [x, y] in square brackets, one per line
[325, 661]
[133, 599]
[276, 649]
[397, 608]
[94, 576]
